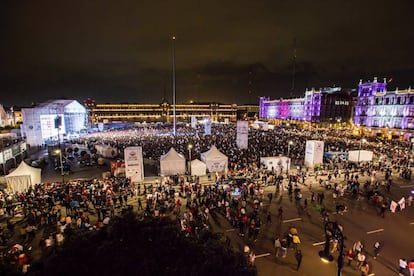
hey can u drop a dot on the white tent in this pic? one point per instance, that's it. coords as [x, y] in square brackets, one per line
[198, 167]
[23, 176]
[215, 160]
[172, 163]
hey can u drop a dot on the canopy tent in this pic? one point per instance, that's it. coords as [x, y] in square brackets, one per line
[172, 163]
[198, 167]
[23, 176]
[215, 160]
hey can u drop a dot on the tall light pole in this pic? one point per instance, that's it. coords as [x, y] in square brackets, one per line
[290, 142]
[189, 147]
[363, 140]
[59, 151]
[174, 115]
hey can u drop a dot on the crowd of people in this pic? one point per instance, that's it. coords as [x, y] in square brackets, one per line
[238, 195]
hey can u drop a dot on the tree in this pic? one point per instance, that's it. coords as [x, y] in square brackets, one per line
[131, 246]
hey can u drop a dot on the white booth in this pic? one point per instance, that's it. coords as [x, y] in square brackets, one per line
[172, 163]
[215, 160]
[313, 153]
[198, 167]
[22, 177]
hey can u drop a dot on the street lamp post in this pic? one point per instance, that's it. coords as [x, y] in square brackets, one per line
[190, 146]
[61, 165]
[288, 155]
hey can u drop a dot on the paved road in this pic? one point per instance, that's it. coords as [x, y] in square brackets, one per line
[361, 222]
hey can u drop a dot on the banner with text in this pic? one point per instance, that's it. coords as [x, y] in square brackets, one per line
[242, 134]
[193, 121]
[207, 126]
[134, 165]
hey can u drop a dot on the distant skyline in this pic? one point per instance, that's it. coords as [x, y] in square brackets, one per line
[121, 51]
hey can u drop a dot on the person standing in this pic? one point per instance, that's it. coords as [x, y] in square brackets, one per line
[403, 266]
[140, 204]
[411, 267]
[364, 269]
[298, 257]
[277, 246]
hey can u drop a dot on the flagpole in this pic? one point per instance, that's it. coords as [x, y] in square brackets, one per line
[174, 97]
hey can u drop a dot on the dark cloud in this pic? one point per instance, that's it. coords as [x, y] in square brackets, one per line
[121, 51]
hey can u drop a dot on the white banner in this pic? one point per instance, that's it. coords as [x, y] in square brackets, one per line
[207, 126]
[313, 153]
[217, 166]
[134, 165]
[193, 121]
[242, 134]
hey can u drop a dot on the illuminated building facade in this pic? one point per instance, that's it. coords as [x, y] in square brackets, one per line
[327, 105]
[377, 107]
[52, 120]
[123, 112]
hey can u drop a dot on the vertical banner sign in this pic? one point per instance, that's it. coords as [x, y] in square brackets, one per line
[193, 121]
[207, 126]
[242, 134]
[134, 165]
[313, 153]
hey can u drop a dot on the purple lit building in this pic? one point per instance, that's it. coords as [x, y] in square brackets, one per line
[327, 105]
[377, 107]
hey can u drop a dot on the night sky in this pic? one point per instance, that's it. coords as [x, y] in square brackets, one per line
[121, 51]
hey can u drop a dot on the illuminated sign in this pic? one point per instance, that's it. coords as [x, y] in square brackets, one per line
[47, 125]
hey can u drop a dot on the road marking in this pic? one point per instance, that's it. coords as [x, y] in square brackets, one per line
[263, 255]
[411, 223]
[407, 186]
[375, 231]
[290, 220]
[230, 230]
[319, 243]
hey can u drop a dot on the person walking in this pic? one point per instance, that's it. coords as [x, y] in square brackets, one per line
[298, 257]
[283, 247]
[377, 247]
